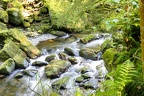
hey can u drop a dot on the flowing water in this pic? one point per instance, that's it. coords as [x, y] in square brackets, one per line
[36, 83]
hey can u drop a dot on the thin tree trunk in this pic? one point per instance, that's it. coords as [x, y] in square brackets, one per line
[141, 2]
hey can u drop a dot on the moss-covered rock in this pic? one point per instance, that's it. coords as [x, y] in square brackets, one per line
[26, 24]
[108, 43]
[88, 54]
[3, 16]
[7, 67]
[15, 16]
[50, 57]
[109, 56]
[58, 33]
[3, 26]
[62, 56]
[61, 83]
[21, 40]
[79, 79]
[56, 67]
[11, 50]
[72, 60]
[69, 51]
[87, 39]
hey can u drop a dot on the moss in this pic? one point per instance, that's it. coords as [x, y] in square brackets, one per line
[3, 26]
[87, 39]
[3, 16]
[109, 56]
[26, 24]
[107, 44]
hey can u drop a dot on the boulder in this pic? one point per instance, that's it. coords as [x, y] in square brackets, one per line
[3, 16]
[87, 39]
[79, 79]
[7, 67]
[11, 50]
[69, 51]
[39, 63]
[56, 67]
[61, 83]
[50, 57]
[88, 54]
[15, 16]
[21, 40]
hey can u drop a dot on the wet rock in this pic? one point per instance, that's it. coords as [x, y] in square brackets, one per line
[15, 16]
[61, 83]
[72, 60]
[56, 67]
[11, 50]
[88, 54]
[39, 63]
[79, 79]
[69, 51]
[58, 33]
[19, 75]
[30, 72]
[108, 43]
[62, 56]
[50, 57]
[3, 16]
[21, 40]
[92, 83]
[88, 75]
[85, 69]
[7, 67]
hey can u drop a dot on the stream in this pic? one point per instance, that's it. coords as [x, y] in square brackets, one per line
[36, 83]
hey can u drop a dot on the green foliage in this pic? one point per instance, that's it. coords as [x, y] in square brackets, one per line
[118, 80]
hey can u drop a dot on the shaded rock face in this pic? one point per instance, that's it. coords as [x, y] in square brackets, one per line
[88, 54]
[56, 67]
[39, 63]
[11, 50]
[7, 67]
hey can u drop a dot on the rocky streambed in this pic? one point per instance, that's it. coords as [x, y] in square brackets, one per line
[64, 66]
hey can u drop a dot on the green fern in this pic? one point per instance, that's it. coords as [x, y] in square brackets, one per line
[115, 86]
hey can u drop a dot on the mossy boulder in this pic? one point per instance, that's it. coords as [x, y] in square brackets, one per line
[58, 33]
[79, 79]
[108, 43]
[11, 50]
[56, 68]
[69, 51]
[62, 56]
[87, 39]
[3, 16]
[88, 54]
[109, 56]
[15, 16]
[50, 57]
[3, 26]
[7, 67]
[21, 40]
[61, 83]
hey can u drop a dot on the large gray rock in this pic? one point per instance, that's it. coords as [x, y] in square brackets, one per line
[11, 50]
[56, 67]
[7, 67]
[88, 54]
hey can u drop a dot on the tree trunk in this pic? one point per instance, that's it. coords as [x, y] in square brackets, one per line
[141, 2]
